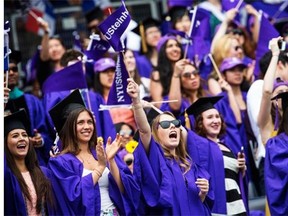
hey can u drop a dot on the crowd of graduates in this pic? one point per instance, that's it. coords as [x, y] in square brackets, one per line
[202, 126]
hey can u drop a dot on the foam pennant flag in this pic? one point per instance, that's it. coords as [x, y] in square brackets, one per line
[7, 51]
[114, 26]
[229, 4]
[118, 96]
[266, 33]
[96, 48]
[70, 77]
[77, 42]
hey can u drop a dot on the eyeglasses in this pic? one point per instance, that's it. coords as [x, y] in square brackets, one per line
[129, 161]
[125, 132]
[189, 74]
[166, 124]
[15, 68]
[236, 32]
[238, 47]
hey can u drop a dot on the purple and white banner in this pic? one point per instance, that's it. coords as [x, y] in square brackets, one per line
[118, 96]
[114, 26]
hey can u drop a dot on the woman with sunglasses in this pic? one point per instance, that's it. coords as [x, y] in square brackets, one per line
[186, 87]
[171, 183]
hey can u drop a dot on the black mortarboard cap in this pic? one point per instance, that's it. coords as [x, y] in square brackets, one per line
[95, 13]
[61, 110]
[142, 27]
[147, 23]
[201, 105]
[284, 97]
[17, 120]
[176, 12]
[15, 56]
[281, 25]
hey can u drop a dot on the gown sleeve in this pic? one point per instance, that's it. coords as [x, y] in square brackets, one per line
[276, 174]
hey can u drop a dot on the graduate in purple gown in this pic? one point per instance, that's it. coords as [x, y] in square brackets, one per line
[55, 90]
[171, 183]
[89, 179]
[216, 157]
[34, 109]
[276, 165]
[27, 191]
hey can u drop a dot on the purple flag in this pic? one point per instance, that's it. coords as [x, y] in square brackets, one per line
[201, 25]
[200, 33]
[114, 26]
[185, 3]
[7, 51]
[31, 66]
[77, 43]
[96, 48]
[68, 78]
[118, 94]
[266, 33]
[229, 4]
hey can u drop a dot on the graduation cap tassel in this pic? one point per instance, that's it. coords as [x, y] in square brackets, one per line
[187, 121]
[55, 148]
[143, 39]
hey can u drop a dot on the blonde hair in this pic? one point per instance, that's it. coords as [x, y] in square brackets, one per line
[181, 152]
[221, 51]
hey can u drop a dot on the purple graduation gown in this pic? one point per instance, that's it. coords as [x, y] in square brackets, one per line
[144, 66]
[14, 203]
[77, 195]
[276, 174]
[207, 153]
[164, 189]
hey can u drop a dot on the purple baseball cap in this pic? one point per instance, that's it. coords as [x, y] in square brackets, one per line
[279, 82]
[164, 39]
[232, 62]
[104, 64]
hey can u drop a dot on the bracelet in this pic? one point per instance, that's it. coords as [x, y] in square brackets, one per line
[98, 172]
[176, 76]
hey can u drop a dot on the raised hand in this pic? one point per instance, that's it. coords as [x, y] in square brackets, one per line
[112, 148]
[101, 154]
[36, 140]
[133, 90]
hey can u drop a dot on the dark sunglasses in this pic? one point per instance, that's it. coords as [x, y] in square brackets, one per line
[129, 162]
[237, 48]
[189, 74]
[236, 32]
[166, 124]
[15, 68]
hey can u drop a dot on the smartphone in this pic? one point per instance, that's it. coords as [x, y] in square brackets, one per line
[242, 150]
[282, 45]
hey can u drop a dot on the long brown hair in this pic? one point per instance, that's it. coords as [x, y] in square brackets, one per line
[181, 152]
[41, 183]
[68, 134]
[284, 122]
